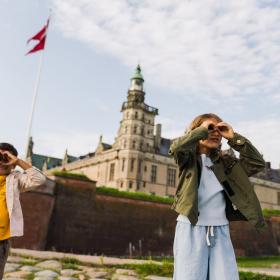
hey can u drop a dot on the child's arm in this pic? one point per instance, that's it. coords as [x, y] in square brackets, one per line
[250, 158]
[181, 147]
[31, 177]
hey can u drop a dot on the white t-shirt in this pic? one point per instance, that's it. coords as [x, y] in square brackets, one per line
[211, 201]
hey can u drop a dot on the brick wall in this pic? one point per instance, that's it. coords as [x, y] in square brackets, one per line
[37, 207]
[76, 219]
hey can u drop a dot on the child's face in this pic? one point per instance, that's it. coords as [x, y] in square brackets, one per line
[4, 169]
[214, 137]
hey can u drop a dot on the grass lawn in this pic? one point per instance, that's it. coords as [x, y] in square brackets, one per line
[261, 262]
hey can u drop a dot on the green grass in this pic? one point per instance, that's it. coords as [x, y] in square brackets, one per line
[70, 175]
[69, 263]
[30, 276]
[134, 195]
[256, 276]
[262, 262]
[166, 270]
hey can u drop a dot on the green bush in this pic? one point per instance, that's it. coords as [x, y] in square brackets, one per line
[271, 212]
[133, 195]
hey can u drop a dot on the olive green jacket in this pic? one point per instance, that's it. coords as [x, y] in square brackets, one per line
[241, 200]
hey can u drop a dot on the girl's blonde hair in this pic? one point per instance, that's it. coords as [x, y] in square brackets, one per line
[197, 121]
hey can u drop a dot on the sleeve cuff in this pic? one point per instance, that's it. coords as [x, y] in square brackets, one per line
[237, 139]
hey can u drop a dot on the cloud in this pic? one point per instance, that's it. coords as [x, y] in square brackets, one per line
[214, 48]
[264, 134]
[77, 143]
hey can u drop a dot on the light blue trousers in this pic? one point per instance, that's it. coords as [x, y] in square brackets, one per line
[203, 253]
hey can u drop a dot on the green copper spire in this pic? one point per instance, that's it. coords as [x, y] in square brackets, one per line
[138, 74]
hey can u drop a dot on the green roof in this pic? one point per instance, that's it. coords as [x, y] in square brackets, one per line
[39, 161]
[138, 74]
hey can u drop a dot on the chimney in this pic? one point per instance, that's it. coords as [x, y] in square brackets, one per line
[267, 165]
[158, 135]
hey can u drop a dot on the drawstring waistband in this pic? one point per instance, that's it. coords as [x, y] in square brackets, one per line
[210, 229]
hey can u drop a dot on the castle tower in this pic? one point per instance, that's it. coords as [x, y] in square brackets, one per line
[136, 131]
[135, 135]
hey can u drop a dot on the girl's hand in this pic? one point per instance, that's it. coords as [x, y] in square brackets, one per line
[225, 130]
[206, 123]
[11, 159]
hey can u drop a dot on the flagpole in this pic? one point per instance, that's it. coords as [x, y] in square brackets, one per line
[35, 95]
[36, 90]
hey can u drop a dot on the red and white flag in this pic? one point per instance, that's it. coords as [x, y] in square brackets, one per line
[41, 37]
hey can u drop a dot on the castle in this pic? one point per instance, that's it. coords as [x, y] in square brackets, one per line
[138, 160]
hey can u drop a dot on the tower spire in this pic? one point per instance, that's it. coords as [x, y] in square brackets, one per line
[137, 80]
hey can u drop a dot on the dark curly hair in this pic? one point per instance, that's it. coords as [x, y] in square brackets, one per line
[9, 147]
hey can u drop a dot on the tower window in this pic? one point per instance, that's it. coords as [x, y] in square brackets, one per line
[130, 184]
[123, 164]
[136, 115]
[139, 165]
[133, 144]
[148, 146]
[134, 129]
[138, 185]
[132, 161]
[141, 146]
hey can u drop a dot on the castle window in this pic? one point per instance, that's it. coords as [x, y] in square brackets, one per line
[133, 144]
[132, 161]
[136, 115]
[148, 132]
[138, 185]
[141, 146]
[134, 129]
[112, 171]
[148, 146]
[124, 144]
[142, 131]
[123, 164]
[121, 184]
[130, 184]
[145, 168]
[171, 177]
[139, 165]
[144, 184]
[154, 174]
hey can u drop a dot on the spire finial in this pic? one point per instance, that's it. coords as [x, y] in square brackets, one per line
[138, 75]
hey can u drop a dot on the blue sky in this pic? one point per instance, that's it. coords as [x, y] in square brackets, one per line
[196, 56]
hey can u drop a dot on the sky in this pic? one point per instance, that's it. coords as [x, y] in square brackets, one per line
[197, 56]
